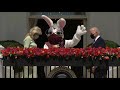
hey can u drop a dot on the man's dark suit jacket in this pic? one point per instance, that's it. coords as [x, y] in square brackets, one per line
[100, 71]
[99, 43]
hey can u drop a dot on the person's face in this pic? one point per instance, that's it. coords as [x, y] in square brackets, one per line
[93, 33]
[35, 36]
[56, 31]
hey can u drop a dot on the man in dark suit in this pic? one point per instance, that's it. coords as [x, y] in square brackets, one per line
[99, 71]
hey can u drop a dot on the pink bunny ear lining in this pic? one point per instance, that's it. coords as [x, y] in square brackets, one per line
[61, 23]
[48, 20]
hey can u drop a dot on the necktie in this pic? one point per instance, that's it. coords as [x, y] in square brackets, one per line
[94, 41]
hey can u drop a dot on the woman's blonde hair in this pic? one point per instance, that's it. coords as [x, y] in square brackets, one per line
[34, 30]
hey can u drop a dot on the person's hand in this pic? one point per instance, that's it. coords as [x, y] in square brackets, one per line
[81, 30]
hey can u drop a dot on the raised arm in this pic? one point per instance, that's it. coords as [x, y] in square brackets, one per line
[81, 30]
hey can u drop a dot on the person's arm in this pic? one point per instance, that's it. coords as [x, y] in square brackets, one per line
[81, 30]
[27, 43]
[73, 42]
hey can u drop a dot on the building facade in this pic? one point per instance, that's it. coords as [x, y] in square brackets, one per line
[14, 25]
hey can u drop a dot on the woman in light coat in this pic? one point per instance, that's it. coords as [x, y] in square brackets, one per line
[29, 42]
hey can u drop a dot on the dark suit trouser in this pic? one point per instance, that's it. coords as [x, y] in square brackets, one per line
[78, 71]
[40, 72]
[100, 73]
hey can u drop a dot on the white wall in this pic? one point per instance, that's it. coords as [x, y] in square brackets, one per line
[107, 22]
[13, 25]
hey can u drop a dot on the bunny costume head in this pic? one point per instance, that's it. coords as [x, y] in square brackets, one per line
[55, 33]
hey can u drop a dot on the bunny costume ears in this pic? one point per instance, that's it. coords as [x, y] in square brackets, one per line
[60, 23]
